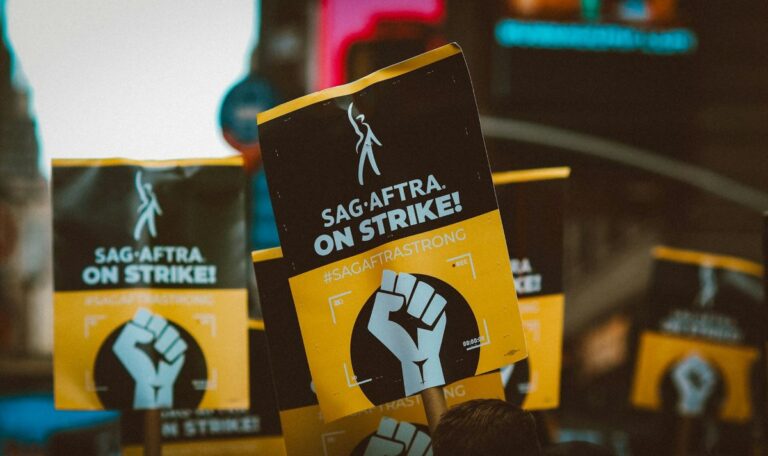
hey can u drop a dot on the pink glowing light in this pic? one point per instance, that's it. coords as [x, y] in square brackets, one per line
[343, 22]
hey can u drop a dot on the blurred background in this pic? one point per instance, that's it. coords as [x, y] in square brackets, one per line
[660, 108]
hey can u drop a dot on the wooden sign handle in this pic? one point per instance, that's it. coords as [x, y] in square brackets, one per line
[434, 405]
[683, 438]
[153, 439]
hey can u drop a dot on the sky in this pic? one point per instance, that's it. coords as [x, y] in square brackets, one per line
[136, 79]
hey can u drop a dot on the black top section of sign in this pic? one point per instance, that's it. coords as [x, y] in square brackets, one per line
[427, 124]
[97, 211]
[286, 347]
[718, 305]
[532, 216]
[260, 420]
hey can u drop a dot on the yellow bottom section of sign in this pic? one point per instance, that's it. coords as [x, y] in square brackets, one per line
[219, 447]
[305, 431]
[470, 256]
[543, 323]
[658, 353]
[216, 320]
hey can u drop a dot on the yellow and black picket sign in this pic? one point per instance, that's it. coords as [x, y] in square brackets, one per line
[702, 336]
[532, 203]
[397, 427]
[659, 354]
[150, 298]
[255, 430]
[388, 220]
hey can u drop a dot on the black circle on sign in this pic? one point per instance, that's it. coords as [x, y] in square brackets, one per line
[360, 448]
[115, 386]
[372, 360]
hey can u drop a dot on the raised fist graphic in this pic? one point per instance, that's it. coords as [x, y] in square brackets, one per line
[398, 439]
[695, 382]
[420, 355]
[154, 383]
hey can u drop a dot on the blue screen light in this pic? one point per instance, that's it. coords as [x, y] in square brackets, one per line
[594, 37]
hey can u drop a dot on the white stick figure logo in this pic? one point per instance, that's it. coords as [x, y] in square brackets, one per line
[707, 287]
[147, 210]
[364, 146]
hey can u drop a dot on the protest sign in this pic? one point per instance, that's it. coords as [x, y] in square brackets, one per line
[213, 432]
[532, 204]
[701, 339]
[388, 221]
[150, 298]
[397, 427]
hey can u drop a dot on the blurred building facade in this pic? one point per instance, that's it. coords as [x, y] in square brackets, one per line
[25, 273]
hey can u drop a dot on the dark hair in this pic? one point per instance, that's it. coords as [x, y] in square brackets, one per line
[486, 427]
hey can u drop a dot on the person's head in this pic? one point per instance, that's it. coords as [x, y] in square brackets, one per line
[486, 427]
